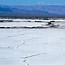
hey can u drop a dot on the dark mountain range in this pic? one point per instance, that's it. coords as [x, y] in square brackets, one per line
[37, 10]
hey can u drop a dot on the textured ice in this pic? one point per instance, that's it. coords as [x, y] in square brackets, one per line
[32, 46]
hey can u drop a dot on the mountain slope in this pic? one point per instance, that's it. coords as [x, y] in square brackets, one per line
[38, 10]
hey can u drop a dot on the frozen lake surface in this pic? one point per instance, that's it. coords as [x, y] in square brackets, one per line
[32, 46]
[5, 24]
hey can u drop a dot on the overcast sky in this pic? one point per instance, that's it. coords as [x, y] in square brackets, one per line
[32, 2]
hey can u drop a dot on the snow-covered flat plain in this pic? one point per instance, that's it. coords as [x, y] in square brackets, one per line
[32, 46]
[10, 24]
[29, 24]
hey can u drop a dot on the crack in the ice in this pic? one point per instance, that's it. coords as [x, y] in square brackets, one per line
[6, 47]
[25, 58]
[25, 61]
[20, 44]
[33, 55]
[15, 35]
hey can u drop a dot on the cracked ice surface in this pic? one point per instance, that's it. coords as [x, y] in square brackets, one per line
[32, 46]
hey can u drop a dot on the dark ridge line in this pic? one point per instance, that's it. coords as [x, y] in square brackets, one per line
[22, 27]
[32, 17]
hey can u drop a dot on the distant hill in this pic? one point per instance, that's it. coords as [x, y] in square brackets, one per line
[37, 10]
